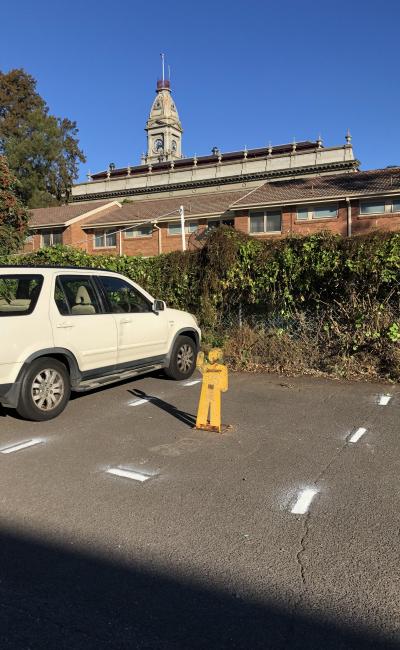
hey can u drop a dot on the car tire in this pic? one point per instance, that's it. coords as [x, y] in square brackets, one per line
[45, 390]
[183, 359]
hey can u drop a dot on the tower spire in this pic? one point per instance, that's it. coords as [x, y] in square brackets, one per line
[164, 129]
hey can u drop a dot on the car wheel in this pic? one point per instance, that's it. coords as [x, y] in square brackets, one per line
[183, 359]
[45, 390]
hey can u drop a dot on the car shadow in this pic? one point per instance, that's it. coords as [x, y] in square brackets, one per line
[54, 596]
[182, 416]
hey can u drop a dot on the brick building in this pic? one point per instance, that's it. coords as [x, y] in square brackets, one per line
[297, 188]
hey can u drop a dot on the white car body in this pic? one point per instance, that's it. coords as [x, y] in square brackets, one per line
[97, 337]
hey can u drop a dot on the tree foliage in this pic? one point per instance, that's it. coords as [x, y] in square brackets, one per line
[13, 215]
[42, 150]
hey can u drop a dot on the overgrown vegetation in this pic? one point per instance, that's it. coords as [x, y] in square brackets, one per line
[319, 304]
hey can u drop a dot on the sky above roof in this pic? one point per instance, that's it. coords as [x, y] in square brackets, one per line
[242, 74]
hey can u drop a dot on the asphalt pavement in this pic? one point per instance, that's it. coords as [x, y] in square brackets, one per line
[123, 527]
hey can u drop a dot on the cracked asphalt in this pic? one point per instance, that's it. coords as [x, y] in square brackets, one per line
[206, 553]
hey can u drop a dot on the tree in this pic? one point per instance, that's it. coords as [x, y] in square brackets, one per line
[42, 150]
[13, 215]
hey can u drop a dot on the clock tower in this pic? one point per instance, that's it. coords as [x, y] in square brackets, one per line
[164, 129]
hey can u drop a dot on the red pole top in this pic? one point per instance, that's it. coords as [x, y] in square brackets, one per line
[163, 84]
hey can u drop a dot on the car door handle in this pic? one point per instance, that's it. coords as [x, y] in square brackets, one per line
[65, 324]
[126, 320]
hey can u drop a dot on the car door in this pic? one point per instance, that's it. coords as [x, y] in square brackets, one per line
[142, 333]
[80, 324]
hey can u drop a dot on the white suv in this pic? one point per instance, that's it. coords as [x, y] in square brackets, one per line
[64, 329]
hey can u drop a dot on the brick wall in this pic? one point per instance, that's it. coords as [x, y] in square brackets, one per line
[369, 223]
[75, 236]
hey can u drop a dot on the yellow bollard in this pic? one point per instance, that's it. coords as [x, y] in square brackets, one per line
[215, 382]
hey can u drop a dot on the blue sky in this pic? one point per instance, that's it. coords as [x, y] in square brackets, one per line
[242, 73]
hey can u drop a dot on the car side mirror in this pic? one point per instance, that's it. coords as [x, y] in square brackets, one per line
[158, 305]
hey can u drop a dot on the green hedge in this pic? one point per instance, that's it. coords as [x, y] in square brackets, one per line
[233, 269]
[343, 292]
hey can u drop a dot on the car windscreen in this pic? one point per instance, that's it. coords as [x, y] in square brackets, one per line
[19, 293]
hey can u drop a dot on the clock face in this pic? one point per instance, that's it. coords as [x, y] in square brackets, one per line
[158, 145]
[174, 146]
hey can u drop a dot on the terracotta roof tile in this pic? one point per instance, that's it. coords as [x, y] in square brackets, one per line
[373, 181]
[215, 203]
[61, 214]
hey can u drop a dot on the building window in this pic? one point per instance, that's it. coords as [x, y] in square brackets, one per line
[265, 221]
[50, 238]
[139, 231]
[372, 207]
[104, 239]
[380, 206]
[319, 211]
[396, 204]
[174, 228]
[215, 223]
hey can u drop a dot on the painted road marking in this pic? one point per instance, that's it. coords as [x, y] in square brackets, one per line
[128, 473]
[138, 402]
[21, 445]
[384, 400]
[303, 502]
[355, 437]
[192, 383]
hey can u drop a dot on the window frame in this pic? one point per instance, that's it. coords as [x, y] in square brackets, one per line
[220, 222]
[188, 231]
[134, 230]
[51, 232]
[310, 208]
[106, 302]
[33, 276]
[388, 202]
[93, 285]
[382, 201]
[264, 213]
[397, 200]
[104, 232]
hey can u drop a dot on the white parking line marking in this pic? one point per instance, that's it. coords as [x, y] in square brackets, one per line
[357, 434]
[138, 402]
[303, 502]
[21, 445]
[128, 473]
[192, 383]
[384, 400]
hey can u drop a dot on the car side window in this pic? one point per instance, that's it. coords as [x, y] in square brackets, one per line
[19, 293]
[76, 295]
[122, 297]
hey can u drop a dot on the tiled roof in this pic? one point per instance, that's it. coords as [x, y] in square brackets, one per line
[374, 181]
[194, 204]
[61, 214]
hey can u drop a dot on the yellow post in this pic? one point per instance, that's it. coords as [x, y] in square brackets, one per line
[215, 382]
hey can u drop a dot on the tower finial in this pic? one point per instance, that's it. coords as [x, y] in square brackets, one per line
[162, 65]
[348, 137]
